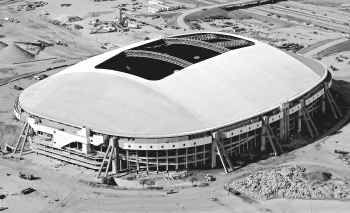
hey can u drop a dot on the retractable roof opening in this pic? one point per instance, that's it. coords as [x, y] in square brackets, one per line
[159, 59]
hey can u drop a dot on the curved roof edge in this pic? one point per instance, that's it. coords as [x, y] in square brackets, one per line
[307, 62]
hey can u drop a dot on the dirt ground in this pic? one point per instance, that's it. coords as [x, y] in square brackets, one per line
[64, 188]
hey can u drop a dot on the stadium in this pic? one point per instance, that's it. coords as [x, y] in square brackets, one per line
[188, 101]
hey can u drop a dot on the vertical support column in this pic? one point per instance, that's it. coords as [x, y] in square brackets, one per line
[284, 122]
[177, 160]
[263, 138]
[167, 160]
[86, 148]
[195, 155]
[186, 158]
[323, 101]
[204, 161]
[120, 163]
[299, 120]
[147, 161]
[247, 145]
[127, 160]
[255, 140]
[213, 155]
[157, 160]
[239, 143]
[113, 141]
[137, 161]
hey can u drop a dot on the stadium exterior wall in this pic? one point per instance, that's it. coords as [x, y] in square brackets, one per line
[183, 152]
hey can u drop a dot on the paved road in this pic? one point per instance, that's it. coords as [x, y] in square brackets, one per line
[181, 19]
[319, 49]
[30, 74]
[317, 20]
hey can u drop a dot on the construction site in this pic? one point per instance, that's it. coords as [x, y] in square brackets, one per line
[196, 106]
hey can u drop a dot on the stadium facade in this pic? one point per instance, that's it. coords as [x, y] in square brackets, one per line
[181, 102]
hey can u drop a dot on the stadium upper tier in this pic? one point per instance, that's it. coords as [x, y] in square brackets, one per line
[173, 86]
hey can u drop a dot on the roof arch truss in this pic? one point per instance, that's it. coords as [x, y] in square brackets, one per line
[233, 43]
[197, 43]
[157, 56]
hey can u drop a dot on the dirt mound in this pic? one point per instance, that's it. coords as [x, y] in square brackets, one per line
[293, 182]
[12, 54]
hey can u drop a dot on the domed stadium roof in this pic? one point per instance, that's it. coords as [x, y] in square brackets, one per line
[173, 86]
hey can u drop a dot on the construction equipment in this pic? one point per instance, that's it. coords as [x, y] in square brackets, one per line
[209, 177]
[171, 191]
[28, 190]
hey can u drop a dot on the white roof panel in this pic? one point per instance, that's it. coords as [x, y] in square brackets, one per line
[219, 91]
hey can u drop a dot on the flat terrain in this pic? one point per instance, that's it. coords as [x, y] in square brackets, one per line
[319, 26]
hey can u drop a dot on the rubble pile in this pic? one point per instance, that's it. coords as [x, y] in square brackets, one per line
[99, 26]
[291, 182]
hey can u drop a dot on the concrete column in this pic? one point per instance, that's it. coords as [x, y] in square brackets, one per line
[177, 159]
[204, 161]
[147, 166]
[300, 116]
[324, 97]
[137, 161]
[167, 160]
[157, 160]
[263, 138]
[86, 148]
[323, 102]
[213, 152]
[127, 160]
[284, 122]
[186, 158]
[113, 141]
[195, 156]
[120, 164]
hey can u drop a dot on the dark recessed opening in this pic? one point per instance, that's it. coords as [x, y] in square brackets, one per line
[159, 59]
